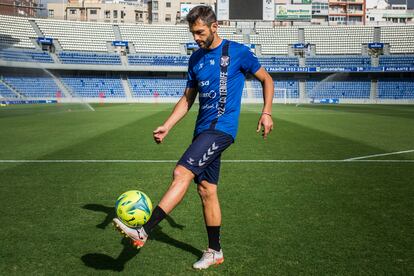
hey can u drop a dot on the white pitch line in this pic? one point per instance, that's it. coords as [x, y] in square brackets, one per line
[224, 161]
[378, 155]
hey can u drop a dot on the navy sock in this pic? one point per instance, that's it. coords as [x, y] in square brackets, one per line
[157, 216]
[213, 233]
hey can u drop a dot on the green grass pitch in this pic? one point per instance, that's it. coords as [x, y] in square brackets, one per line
[291, 217]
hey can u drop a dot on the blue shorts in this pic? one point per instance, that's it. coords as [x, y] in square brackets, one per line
[203, 156]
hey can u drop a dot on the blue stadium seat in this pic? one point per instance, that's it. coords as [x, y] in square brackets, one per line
[397, 60]
[21, 55]
[89, 58]
[396, 89]
[279, 61]
[349, 89]
[5, 92]
[158, 60]
[33, 86]
[282, 87]
[157, 87]
[338, 61]
[94, 86]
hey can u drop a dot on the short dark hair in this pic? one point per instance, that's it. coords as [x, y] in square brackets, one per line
[204, 13]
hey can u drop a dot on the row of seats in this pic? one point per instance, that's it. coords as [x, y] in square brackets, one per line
[25, 55]
[150, 87]
[78, 36]
[158, 60]
[16, 32]
[279, 61]
[89, 58]
[349, 89]
[149, 38]
[33, 86]
[338, 39]
[338, 61]
[396, 89]
[111, 87]
[156, 38]
[73, 57]
[399, 37]
[94, 86]
[5, 92]
[282, 89]
[397, 60]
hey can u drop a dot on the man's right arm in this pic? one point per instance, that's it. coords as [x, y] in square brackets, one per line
[179, 111]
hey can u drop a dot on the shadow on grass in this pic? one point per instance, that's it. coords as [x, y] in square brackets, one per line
[104, 262]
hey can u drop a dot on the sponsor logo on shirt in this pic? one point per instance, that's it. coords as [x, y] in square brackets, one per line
[209, 106]
[203, 83]
[211, 94]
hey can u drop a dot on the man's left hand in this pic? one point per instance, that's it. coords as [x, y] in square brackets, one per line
[267, 123]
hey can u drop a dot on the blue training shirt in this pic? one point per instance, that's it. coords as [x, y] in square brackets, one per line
[204, 75]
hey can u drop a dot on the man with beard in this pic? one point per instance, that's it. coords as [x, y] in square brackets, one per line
[217, 73]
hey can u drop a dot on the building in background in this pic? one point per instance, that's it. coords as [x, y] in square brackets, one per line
[390, 12]
[348, 12]
[173, 11]
[320, 11]
[28, 8]
[115, 11]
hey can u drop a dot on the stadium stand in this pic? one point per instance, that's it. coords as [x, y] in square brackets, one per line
[349, 89]
[396, 89]
[400, 38]
[338, 40]
[78, 36]
[94, 86]
[158, 60]
[33, 86]
[338, 61]
[159, 87]
[6, 93]
[337, 48]
[229, 32]
[16, 32]
[396, 60]
[89, 58]
[279, 61]
[25, 55]
[283, 87]
[275, 41]
[157, 39]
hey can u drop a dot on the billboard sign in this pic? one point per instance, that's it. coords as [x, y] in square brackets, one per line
[185, 9]
[223, 10]
[268, 10]
[120, 43]
[302, 2]
[376, 45]
[293, 12]
[45, 40]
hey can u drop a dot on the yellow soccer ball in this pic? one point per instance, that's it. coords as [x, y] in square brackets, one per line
[133, 208]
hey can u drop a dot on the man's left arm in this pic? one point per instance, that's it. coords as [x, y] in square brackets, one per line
[265, 120]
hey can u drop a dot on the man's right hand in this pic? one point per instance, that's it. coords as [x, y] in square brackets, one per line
[160, 133]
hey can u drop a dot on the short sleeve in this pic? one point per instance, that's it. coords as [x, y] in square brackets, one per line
[249, 62]
[191, 78]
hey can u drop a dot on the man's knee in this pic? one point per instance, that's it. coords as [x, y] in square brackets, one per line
[207, 191]
[182, 173]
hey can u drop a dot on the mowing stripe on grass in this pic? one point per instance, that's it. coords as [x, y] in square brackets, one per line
[378, 155]
[225, 161]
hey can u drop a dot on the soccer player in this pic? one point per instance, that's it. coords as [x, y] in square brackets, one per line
[216, 72]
